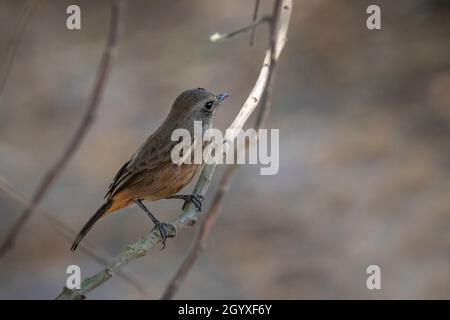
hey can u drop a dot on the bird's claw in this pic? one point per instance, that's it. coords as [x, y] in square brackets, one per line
[195, 199]
[163, 229]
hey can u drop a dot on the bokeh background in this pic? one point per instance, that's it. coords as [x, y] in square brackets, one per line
[364, 119]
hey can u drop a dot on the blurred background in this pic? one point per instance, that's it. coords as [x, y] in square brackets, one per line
[364, 119]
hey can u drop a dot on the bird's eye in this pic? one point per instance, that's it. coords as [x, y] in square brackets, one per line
[209, 105]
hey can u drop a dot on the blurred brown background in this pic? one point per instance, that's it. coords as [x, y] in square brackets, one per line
[364, 119]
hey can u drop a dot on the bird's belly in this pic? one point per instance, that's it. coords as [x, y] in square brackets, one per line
[167, 181]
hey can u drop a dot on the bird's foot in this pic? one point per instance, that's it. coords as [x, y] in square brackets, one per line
[166, 230]
[195, 199]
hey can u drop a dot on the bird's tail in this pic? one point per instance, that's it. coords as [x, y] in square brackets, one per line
[100, 212]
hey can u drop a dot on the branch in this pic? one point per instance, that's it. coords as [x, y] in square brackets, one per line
[255, 16]
[189, 215]
[226, 36]
[93, 104]
[67, 233]
[278, 30]
[13, 43]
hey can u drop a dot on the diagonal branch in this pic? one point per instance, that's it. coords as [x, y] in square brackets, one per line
[226, 36]
[278, 29]
[93, 104]
[190, 215]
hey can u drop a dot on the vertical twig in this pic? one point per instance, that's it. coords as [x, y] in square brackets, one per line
[93, 104]
[255, 16]
[278, 29]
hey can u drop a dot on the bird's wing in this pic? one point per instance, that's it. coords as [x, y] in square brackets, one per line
[122, 173]
[149, 156]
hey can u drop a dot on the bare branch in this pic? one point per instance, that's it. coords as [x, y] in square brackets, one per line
[13, 44]
[278, 31]
[226, 36]
[68, 233]
[93, 104]
[255, 16]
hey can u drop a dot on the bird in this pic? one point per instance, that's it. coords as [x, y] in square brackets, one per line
[150, 174]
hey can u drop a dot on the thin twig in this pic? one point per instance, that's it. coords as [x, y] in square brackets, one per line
[255, 16]
[68, 233]
[277, 31]
[226, 36]
[14, 41]
[190, 214]
[93, 104]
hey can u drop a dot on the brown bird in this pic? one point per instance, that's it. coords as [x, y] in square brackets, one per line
[151, 174]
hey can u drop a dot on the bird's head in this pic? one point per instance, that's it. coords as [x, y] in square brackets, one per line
[197, 104]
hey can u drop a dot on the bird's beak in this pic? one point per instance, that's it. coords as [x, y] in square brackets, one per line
[222, 97]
